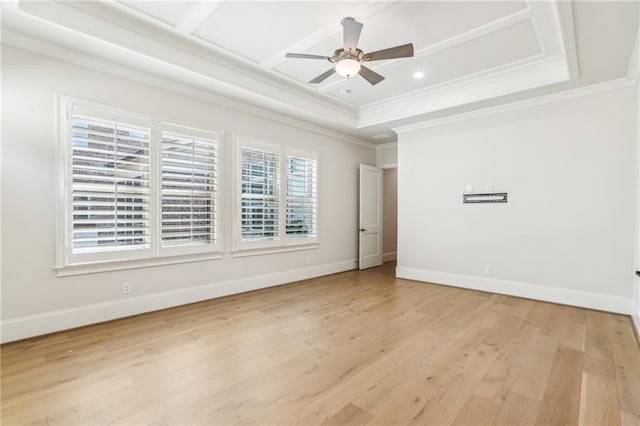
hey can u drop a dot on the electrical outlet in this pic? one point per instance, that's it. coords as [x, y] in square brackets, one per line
[489, 187]
[469, 188]
[308, 261]
[488, 270]
[126, 288]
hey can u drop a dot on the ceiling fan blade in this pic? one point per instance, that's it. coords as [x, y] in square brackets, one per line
[322, 77]
[351, 30]
[305, 56]
[370, 75]
[404, 51]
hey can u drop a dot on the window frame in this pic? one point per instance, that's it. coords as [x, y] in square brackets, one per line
[69, 263]
[282, 243]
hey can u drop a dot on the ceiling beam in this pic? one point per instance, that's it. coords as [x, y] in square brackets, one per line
[198, 13]
[369, 9]
[547, 23]
[563, 20]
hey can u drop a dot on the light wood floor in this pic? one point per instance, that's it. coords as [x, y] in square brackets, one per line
[353, 348]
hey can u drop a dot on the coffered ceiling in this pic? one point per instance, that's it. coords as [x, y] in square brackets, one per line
[469, 52]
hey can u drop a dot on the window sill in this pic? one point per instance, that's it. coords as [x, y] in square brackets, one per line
[245, 252]
[96, 267]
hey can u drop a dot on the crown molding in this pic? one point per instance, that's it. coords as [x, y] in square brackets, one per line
[56, 52]
[387, 145]
[553, 24]
[164, 53]
[633, 70]
[145, 51]
[485, 85]
[593, 89]
[109, 31]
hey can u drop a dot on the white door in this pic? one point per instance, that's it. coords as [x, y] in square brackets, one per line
[370, 230]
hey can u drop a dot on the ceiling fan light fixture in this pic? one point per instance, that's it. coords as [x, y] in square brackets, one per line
[348, 67]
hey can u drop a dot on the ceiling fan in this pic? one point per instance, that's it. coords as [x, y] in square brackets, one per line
[348, 59]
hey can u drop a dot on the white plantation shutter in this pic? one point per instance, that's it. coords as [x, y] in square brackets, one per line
[277, 204]
[110, 195]
[302, 200]
[134, 188]
[189, 187]
[260, 194]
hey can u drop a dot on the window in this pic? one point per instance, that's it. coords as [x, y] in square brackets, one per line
[260, 199]
[134, 187]
[301, 219]
[110, 191]
[277, 196]
[189, 191]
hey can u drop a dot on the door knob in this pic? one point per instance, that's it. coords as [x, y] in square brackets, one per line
[363, 230]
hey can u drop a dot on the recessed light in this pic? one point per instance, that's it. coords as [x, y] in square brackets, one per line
[418, 74]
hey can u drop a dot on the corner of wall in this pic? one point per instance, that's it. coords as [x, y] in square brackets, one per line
[387, 155]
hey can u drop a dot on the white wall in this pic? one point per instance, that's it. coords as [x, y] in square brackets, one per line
[35, 301]
[387, 155]
[567, 232]
[637, 280]
[389, 214]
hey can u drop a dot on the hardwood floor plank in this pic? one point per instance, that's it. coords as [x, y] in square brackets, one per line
[445, 406]
[477, 411]
[561, 402]
[598, 401]
[361, 347]
[371, 384]
[598, 354]
[479, 362]
[533, 375]
[517, 410]
[572, 336]
[351, 415]
[627, 382]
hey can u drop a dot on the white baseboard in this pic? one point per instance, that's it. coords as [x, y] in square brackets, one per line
[49, 322]
[564, 296]
[388, 257]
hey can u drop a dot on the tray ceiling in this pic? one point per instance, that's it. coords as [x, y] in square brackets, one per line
[497, 33]
[468, 51]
